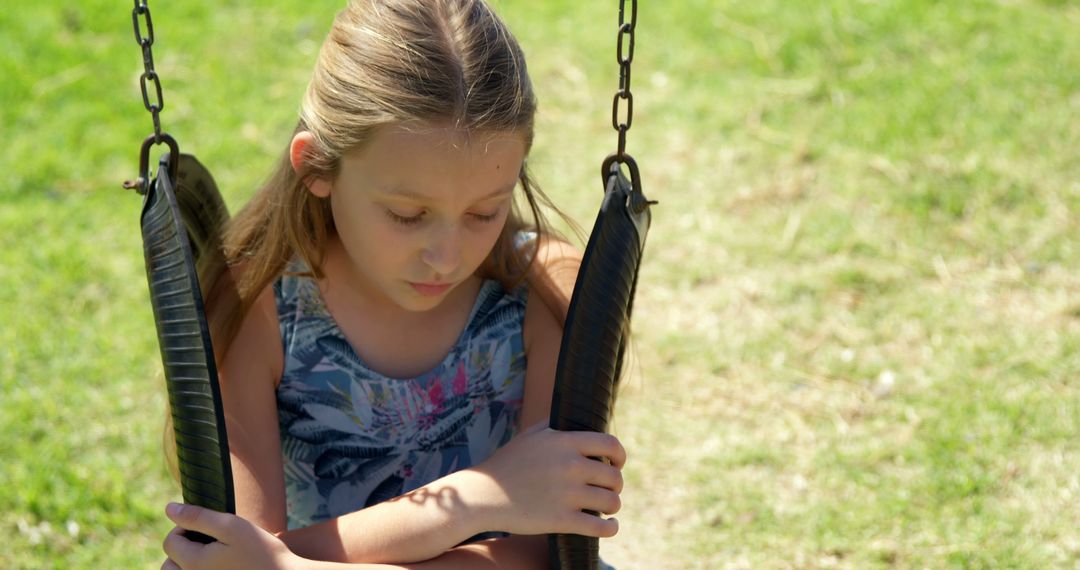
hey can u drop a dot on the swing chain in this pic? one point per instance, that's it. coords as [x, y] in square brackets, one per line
[624, 55]
[149, 82]
[149, 76]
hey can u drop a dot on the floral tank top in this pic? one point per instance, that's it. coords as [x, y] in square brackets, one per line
[351, 437]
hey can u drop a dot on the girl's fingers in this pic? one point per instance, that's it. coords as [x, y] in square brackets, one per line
[599, 500]
[593, 444]
[180, 550]
[603, 475]
[590, 525]
[212, 523]
[170, 565]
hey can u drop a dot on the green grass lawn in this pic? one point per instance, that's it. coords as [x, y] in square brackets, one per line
[858, 323]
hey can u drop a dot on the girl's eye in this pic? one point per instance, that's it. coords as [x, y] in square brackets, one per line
[405, 220]
[485, 217]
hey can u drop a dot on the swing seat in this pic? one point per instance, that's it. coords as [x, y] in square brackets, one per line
[594, 339]
[182, 220]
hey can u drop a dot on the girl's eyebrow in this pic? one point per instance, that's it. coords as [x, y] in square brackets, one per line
[402, 192]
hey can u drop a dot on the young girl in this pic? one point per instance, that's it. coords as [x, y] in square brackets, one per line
[381, 329]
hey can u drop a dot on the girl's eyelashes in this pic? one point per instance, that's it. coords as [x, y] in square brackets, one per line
[404, 220]
[491, 215]
[485, 217]
[413, 220]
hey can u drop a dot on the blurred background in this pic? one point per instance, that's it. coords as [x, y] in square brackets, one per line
[857, 330]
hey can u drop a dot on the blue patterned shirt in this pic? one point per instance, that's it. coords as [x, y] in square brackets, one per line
[352, 437]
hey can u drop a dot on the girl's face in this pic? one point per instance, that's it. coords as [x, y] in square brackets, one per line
[419, 208]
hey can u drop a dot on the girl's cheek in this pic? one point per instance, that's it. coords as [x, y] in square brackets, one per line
[491, 237]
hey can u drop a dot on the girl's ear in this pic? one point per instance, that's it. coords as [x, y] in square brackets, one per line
[300, 148]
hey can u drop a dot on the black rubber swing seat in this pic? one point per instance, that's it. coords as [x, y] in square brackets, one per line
[181, 220]
[594, 339]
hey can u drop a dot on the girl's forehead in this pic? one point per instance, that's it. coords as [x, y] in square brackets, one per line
[422, 139]
[422, 158]
[439, 136]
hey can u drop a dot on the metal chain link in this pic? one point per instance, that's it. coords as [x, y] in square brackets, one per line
[624, 55]
[150, 82]
[149, 76]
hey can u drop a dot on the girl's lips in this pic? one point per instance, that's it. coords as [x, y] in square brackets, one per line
[430, 289]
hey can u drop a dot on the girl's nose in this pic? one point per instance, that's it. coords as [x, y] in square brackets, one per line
[443, 252]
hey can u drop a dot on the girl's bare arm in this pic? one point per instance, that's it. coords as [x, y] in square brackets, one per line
[242, 544]
[248, 374]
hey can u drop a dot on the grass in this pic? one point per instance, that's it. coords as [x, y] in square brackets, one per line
[858, 326]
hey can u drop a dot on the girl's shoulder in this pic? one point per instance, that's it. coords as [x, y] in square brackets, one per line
[540, 322]
[254, 351]
[550, 280]
[258, 343]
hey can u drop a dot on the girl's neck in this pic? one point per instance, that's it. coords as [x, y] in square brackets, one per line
[394, 341]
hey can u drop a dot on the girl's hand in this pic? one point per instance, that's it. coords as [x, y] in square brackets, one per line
[544, 478]
[241, 544]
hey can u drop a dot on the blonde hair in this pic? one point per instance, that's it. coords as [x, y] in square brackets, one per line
[383, 62]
